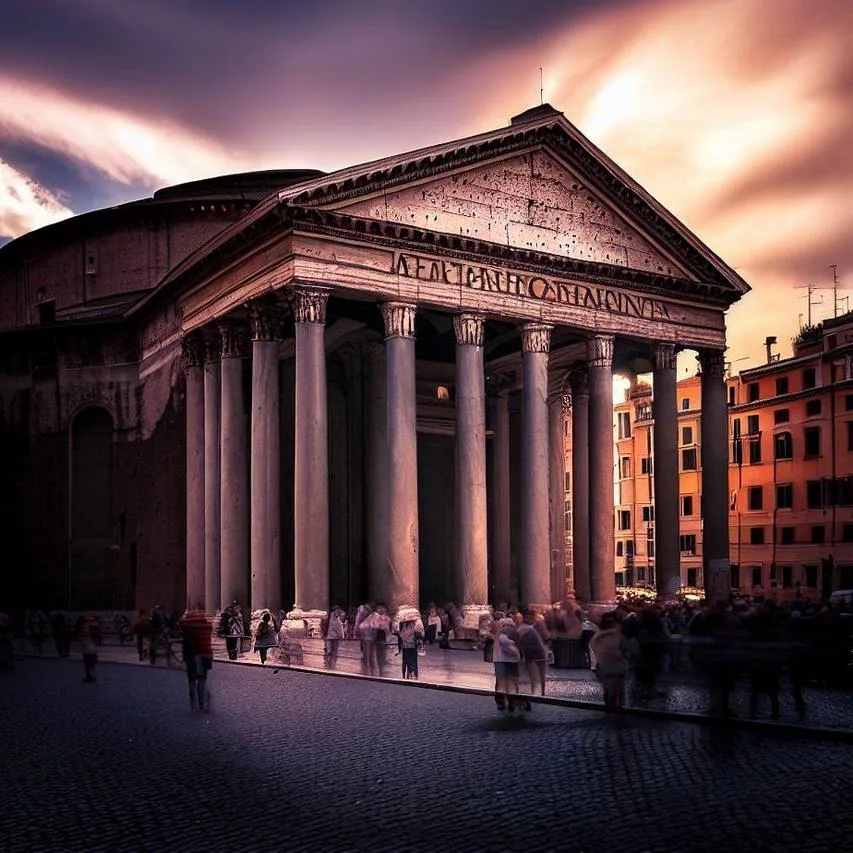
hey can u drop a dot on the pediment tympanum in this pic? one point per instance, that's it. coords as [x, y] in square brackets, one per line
[529, 201]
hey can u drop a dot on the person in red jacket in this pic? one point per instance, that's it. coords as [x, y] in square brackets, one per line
[198, 656]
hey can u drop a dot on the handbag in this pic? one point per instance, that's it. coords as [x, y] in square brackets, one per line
[421, 650]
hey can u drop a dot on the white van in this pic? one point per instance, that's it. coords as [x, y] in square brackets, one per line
[842, 598]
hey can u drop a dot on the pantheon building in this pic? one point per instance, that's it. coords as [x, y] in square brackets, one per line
[298, 389]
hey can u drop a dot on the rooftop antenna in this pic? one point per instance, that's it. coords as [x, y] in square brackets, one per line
[834, 268]
[541, 88]
[811, 288]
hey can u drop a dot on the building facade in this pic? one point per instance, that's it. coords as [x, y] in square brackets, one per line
[354, 387]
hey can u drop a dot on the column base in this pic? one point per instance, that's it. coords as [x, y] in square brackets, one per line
[406, 612]
[299, 623]
[473, 615]
[596, 609]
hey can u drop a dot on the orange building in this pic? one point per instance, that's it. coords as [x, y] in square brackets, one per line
[790, 473]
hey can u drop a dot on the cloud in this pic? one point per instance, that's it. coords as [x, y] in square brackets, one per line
[25, 205]
[119, 144]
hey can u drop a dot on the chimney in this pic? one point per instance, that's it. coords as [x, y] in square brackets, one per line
[768, 343]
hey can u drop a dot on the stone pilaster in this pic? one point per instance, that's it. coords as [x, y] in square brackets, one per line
[311, 477]
[471, 512]
[234, 494]
[601, 542]
[212, 473]
[579, 381]
[665, 411]
[535, 526]
[192, 352]
[715, 477]
[401, 578]
[265, 459]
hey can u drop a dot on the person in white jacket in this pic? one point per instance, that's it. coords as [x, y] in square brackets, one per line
[506, 658]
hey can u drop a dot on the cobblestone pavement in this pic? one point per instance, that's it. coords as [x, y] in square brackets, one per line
[290, 760]
[685, 692]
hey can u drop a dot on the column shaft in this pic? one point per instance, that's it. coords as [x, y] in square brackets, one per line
[601, 542]
[265, 466]
[193, 357]
[580, 486]
[401, 580]
[557, 456]
[501, 551]
[715, 477]
[471, 516]
[376, 472]
[535, 523]
[665, 411]
[212, 527]
[234, 494]
[311, 473]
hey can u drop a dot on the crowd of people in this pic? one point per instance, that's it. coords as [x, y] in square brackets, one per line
[772, 647]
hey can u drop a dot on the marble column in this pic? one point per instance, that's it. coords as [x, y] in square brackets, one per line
[535, 520]
[579, 380]
[557, 456]
[311, 472]
[500, 526]
[401, 580]
[234, 493]
[192, 351]
[212, 528]
[376, 474]
[601, 537]
[265, 460]
[471, 514]
[665, 411]
[715, 477]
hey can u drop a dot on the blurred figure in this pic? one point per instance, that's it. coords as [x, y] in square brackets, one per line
[141, 630]
[61, 631]
[409, 637]
[433, 623]
[765, 658]
[651, 637]
[155, 629]
[506, 658]
[334, 633]
[38, 629]
[364, 610]
[534, 652]
[264, 637]
[231, 623]
[89, 641]
[198, 656]
[374, 630]
[609, 649]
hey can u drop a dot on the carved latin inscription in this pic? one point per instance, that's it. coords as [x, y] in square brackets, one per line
[399, 319]
[470, 329]
[498, 280]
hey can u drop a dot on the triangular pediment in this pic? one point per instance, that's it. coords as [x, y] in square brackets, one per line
[529, 201]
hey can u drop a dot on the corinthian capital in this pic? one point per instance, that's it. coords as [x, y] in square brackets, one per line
[600, 351]
[536, 337]
[265, 320]
[399, 319]
[664, 356]
[309, 304]
[713, 364]
[233, 340]
[470, 329]
[192, 351]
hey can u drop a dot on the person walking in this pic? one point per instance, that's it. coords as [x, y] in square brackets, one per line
[155, 629]
[410, 637]
[374, 630]
[265, 637]
[141, 630]
[232, 627]
[505, 659]
[534, 653]
[61, 633]
[198, 656]
[334, 633]
[608, 647]
[433, 623]
[89, 641]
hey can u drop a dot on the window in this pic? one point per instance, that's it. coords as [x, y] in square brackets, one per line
[685, 404]
[818, 534]
[624, 424]
[809, 377]
[650, 546]
[812, 436]
[687, 505]
[786, 536]
[734, 576]
[781, 416]
[736, 427]
[567, 481]
[785, 496]
[648, 513]
[752, 425]
[850, 435]
[756, 535]
[781, 385]
[737, 451]
[688, 459]
[629, 548]
[647, 466]
[624, 519]
[848, 403]
[756, 497]
[691, 577]
[687, 543]
[772, 574]
[625, 467]
[731, 395]
[756, 576]
[754, 451]
[813, 408]
[787, 582]
[687, 435]
[814, 494]
[752, 392]
[847, 532]
[844, 491]
[811, 576]
[620, 548]
[783, 446]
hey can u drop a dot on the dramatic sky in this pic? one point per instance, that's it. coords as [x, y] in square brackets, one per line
[734, 114]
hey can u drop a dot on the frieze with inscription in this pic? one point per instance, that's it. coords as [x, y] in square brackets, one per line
[529, 285]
